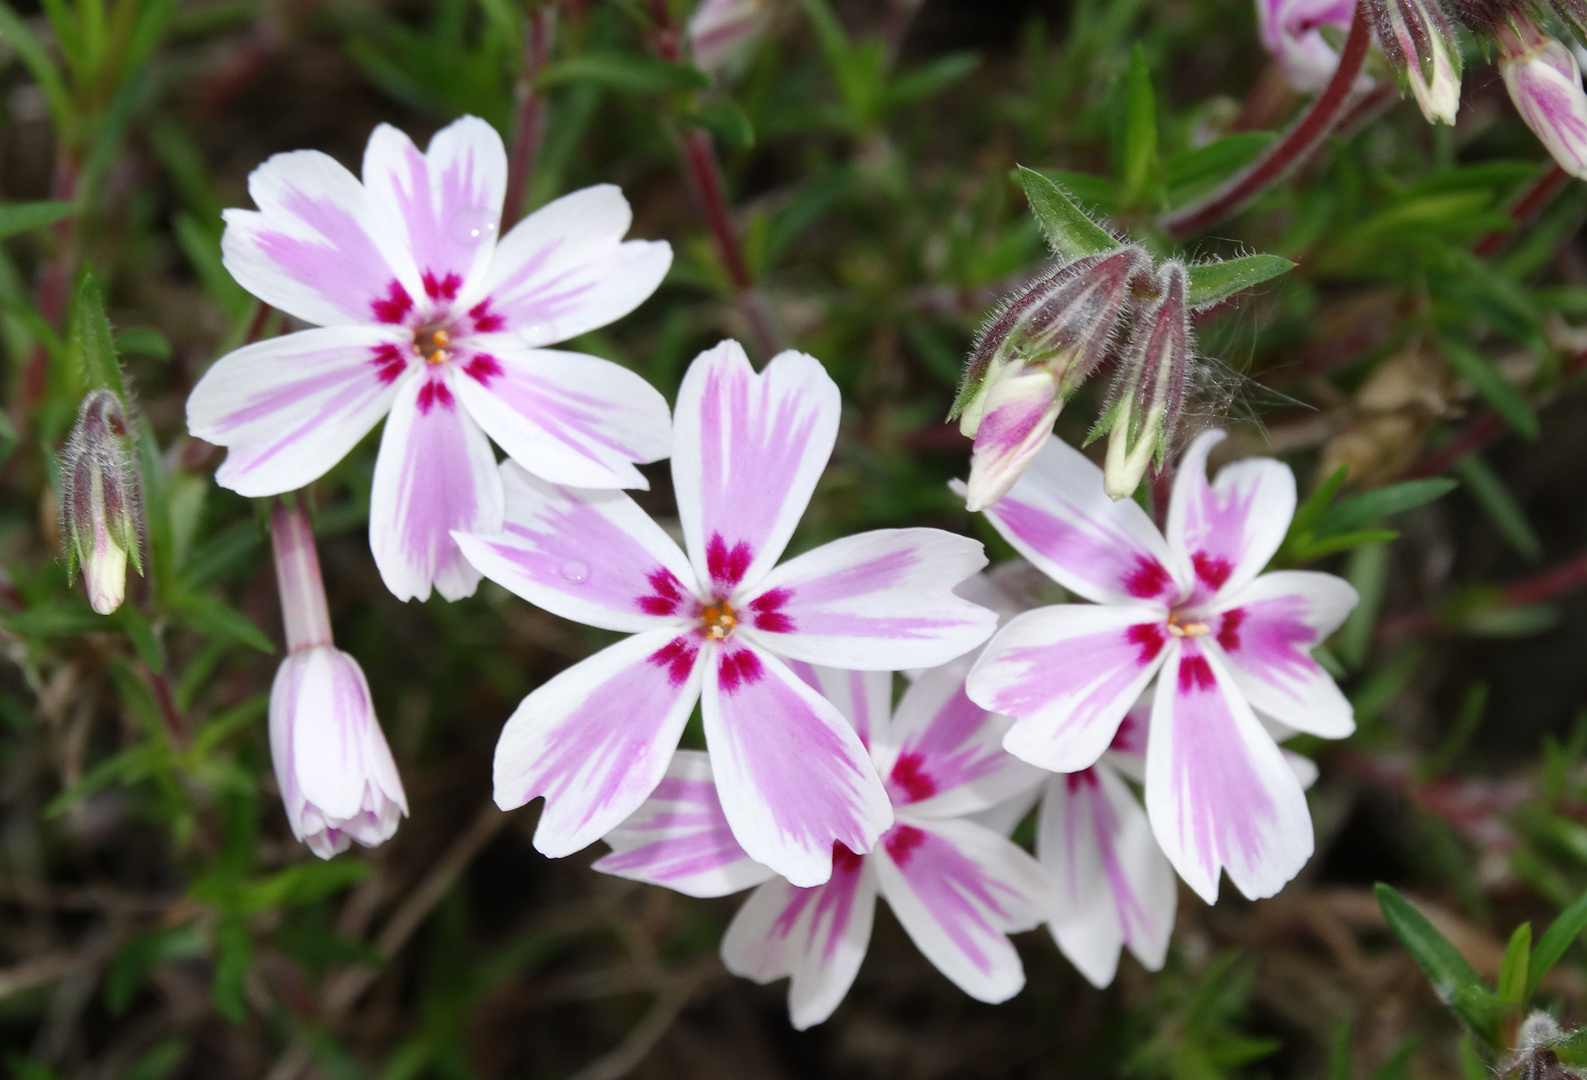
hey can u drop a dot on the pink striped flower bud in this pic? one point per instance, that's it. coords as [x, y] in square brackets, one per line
[1545, 84]
[1151, 390]
[1419, 44]
[100, 504]
[337, 778]
[1032, 356]
[718, 29]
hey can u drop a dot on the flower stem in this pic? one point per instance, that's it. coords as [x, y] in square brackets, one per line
[303, 608]
[1535, 198]
[1288, 151]
[529, 124]
[54, 282]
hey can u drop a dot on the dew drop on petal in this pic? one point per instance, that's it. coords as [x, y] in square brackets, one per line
[576, 572]
[472, 225]
[536, 333]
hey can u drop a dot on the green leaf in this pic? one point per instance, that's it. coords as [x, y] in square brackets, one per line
[1512, 972]
[1314, 549]
[729, 123]
[143, 954]
[211, 616]
[303, 884]
[931, 79]
[1339, 1055]
[232, 720]
[1380, 503]
[1188, 171]
[22, 217]
[1487, 487]
[14, 32]
[232, 960]
[1071, 233]
[1140, 167]
[625, 72]
[1213, 282]
[144, 341]
[159, 1062]
[142, 634]
[57, 619]
[1493, 387]
[90, 343]
[1453, 978]
[1555, 940]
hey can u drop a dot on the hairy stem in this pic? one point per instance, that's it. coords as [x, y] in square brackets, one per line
[1288, 151]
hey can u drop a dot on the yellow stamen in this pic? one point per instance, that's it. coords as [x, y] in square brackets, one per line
[1189, 629]
[719, 619]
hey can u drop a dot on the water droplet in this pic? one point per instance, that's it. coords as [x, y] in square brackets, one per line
[537, 333]
[576, 571]
[472, 225]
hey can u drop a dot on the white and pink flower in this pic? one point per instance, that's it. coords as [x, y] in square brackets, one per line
[423, 315]
[958, 887]
[710, 626]
[1545, 84]
[1195, 611]
[1292, 32]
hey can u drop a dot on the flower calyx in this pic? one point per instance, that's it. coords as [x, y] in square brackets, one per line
[101, 505]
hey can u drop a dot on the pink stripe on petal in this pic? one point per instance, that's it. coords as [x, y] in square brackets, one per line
[572, 419]
[865, 698]
[880, 600]
[1225, 532]
[1059, 518]
[680, 838]
[1218, 792]
[959, 890]
[435, 474]
[815, 936]
[759, 718]
[291, 407]
[1268, 633]
[749, 450]
[1068, 674]
[564, 270]
[596, 739]
[591, 556]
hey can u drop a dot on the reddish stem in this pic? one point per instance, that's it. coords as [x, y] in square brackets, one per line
[1536, 197]
[53, 284]
[170, 715]
[530, 123]
[1291, 149]
[1547, 585]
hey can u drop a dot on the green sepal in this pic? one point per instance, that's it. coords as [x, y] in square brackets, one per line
[1068, 229]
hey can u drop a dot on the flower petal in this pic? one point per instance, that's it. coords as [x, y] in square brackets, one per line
[564, 270]
[748, 451]
[318, 247]
[570, 418]
[1218, 792]
[959, 890]
[790, 771]
[1114, 885]
[1267, 631]
[591, 556]
[880, 600]
[290, 407]
[446, 202]
[1067, 674]
[1225, 532]
[944, 756]
[1020, 412]
[1005, 817]
[680, 838]
[596, 739]
[865, 698]
[435, 475]
[1060, 519]
[816, 936]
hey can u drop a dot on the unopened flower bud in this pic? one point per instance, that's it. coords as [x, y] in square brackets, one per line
[1545, 84]
[1292, 32]
[1030, 359]
[100, 504]
[719, 28]
[335, 771]
[1150, 392]
[1419, 43]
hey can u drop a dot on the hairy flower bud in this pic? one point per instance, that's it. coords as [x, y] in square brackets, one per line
[1030, 359]
[1419, 43]
[1150, 392]
[336, 774]
[719, 28]
[100, 504]
[1545, 84]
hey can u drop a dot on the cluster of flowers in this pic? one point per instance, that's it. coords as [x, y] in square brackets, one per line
[1419, 43]
[1180, 675]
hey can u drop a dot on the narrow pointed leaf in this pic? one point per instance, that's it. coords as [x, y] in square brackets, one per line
[1484, 378]
[1446, 969]
[1212, 282]
[1068, 229]
[1555, 940]
[1380, 503]
[20, 217]
[1512, 973]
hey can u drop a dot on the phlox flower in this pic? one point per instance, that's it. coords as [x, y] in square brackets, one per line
[1292, 32]
[958, 887]
[711, 625]
[337, 779]
[423, 315]
[1194, 610]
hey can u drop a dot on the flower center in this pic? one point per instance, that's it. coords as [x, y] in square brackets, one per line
[1186, 629]
[430, 343]
[718, 619]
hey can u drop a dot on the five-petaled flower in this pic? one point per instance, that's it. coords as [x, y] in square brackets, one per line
[1227, 640]
[422, 314]
[710, 626]
[957, 886]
